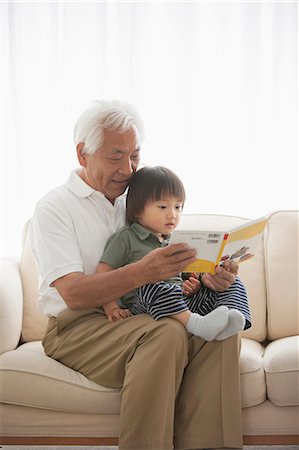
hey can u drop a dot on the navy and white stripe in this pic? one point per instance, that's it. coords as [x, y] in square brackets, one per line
[159, 300]
[164, 299]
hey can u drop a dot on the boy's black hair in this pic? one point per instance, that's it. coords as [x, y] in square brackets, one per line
[148, 185]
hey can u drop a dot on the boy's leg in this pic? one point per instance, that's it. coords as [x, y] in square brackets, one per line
[166, 300]
[143, 357]
[208, 408]
[236, 298]
[159, 300]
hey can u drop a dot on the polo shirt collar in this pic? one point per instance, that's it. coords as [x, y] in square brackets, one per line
[82, 189]
[78, 186]
[144, 233]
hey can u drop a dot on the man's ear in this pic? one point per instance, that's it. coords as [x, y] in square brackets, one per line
[81, 154]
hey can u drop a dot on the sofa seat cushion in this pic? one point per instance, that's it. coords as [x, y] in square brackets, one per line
[253, 384]
[28, 377]
[281, 362]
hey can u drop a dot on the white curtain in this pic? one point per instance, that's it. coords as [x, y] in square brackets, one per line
[215, 82]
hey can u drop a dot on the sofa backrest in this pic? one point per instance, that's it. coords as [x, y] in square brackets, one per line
[11, 304]
[281, 256]
[34, 321]
[252, 273]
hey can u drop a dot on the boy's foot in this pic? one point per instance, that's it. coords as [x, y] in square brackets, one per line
[209, 326]
[236, 323]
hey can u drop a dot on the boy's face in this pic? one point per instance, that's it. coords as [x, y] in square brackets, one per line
[162, 216]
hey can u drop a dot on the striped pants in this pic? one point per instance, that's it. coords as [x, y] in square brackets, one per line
[163, 299]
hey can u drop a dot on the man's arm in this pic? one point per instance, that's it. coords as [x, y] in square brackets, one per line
[86, 291]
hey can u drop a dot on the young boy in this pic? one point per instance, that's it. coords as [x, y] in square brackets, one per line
[154, 205]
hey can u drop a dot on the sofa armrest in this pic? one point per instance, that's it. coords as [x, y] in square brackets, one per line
[11, 304]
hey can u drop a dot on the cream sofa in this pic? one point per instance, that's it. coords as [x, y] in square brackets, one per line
[44, 402]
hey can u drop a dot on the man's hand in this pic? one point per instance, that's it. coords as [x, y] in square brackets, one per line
[223, 278]
[164, 263]
[192, 285]
[118, 314]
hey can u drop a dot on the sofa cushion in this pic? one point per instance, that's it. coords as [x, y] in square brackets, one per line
[281, 256]
[252, 273]
[281, 363]
[253, 384]
[30, 378]
[11, 299]
[34, 322]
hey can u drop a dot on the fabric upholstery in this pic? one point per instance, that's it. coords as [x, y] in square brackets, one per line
[11, 303]
[268, 419]
[34, 322]
[33, 379]
[26, 421]
[281, 362]
[253, 383]
[252, 273]
[281, 253]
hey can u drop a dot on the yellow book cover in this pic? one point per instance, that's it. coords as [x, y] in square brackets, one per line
[215, 245]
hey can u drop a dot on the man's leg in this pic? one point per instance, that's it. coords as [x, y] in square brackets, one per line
[208, 409]
[144, 357]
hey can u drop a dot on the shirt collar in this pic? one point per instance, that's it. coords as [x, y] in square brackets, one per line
[78, 186]
[144, 233]
[82, 189]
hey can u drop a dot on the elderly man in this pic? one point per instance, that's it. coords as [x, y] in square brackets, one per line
[177, 390]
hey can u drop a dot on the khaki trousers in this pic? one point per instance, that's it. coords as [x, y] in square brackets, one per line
[178, 391]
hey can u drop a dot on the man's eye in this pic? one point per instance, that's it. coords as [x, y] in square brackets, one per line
[161, 206]
[179, 207]
[135, 158]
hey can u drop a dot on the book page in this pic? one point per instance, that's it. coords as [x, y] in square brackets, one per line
[216, 245]
[207, 245]
[241, 244]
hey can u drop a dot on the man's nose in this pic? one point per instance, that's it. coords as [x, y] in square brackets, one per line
[127, 167]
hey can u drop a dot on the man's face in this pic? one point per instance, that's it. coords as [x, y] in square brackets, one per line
[111, 166]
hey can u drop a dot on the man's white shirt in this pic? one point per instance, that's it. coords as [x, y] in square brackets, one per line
[69, 230]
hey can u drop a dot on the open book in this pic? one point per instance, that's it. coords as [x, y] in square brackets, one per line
[216, 244]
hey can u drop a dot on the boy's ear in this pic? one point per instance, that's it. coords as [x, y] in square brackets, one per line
[81, 154]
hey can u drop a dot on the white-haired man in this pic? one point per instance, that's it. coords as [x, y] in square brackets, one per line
[177, 390]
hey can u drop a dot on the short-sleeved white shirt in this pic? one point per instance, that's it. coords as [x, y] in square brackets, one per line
[69, 230]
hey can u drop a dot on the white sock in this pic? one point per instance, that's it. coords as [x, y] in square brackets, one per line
[209, 326]
[236, 323]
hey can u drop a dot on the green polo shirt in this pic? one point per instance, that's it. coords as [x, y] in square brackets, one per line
[129, 245]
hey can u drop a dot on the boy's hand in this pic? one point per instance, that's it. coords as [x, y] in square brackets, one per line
[192, 285]
[118, 314]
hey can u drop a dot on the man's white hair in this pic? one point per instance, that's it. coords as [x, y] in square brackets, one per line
[112, 115]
